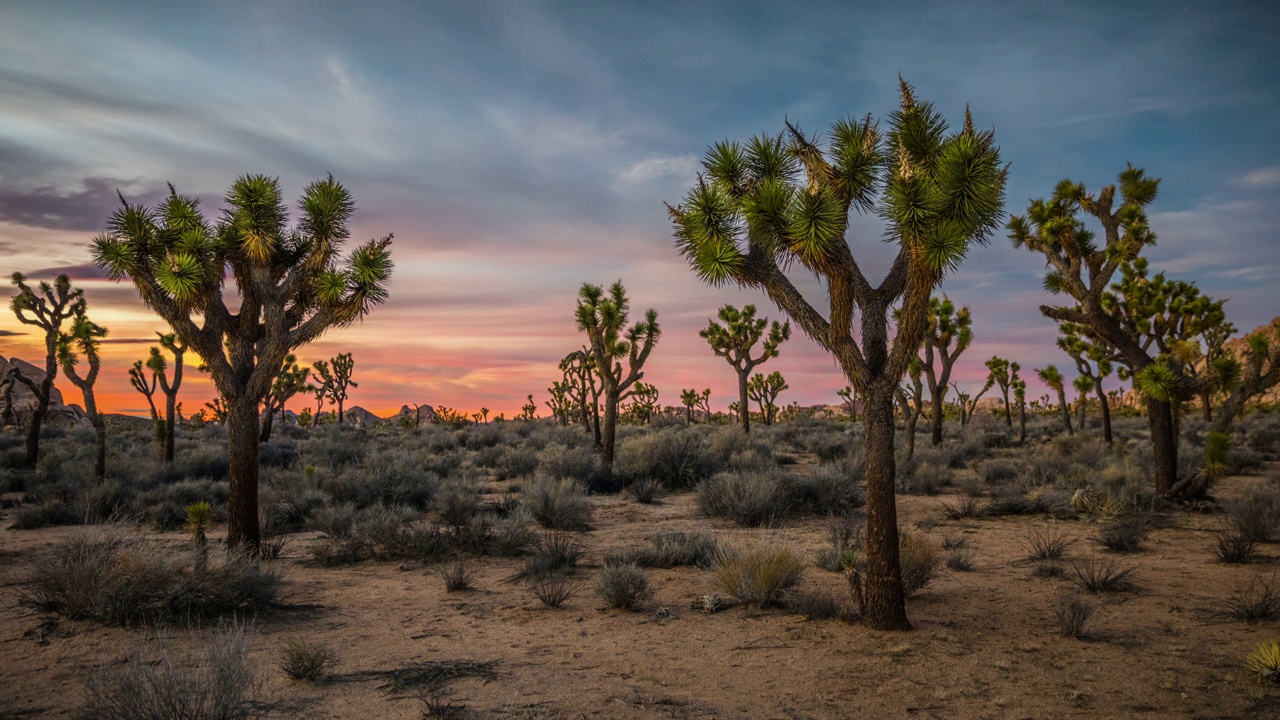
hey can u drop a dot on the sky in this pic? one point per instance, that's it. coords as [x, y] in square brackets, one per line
[520, 149]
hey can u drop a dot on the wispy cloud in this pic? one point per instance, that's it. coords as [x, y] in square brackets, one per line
[1263, 177]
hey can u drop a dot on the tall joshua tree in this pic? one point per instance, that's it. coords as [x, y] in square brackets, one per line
[159, 366]
[1083, 385]
[292, 287]
[734, 339]
[84, 338]
[765, 389]
[603, 317]
[584, 387]
[47, 310]
[1143, 318]
[291, 380]
[948, 333]
[776, 201]
[1052, 377]
[1003, 373]
[1093, 363]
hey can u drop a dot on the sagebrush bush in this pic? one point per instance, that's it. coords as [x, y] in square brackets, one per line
[458, 501]
[827, 489]
[558, 503]
[925, 478]
[920, 561]
[1123, 535]
[579, 462]
[1256, 514]
[759, 575]
[303, 659]
[118, 580]
[554, 552]
[749, 499]
[552, 589]
[671, 549]
[217, 683]
[624, 587]
[1233, 546]
[676, 458]
[458, 576]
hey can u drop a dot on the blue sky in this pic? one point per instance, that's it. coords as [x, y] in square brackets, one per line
[519, 149]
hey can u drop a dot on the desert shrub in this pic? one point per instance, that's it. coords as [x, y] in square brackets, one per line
[749, 499]
[1264, 437]
[303, 659]
[625, 587]
[820, 606]
[674, 549]
[1072, 611]
[478, 437]
[1123, 535]
[1233, 546]
[458, 501]
[646, 492]
[1264, 661]
[512, 535]
[389, 478]
[332, 446]
[277, 454]
[117, 580]
[827, 489]
[960, 559]
[1256, 515]
[215, 683]
[554, 552]
[965, 508]
[458, 576]
[996, 472]
[844, 543]
[971, 486]
[378, 533]
[1046, 544]
[1255, 602]
[676, 458]
[758, 576]
[1098, 576]
[46, 514]
[558, 504]
[920, 561]
[947, 455]
[552, 589]
[516, 462]
[580, 463]
[925, 478]
[165, 506]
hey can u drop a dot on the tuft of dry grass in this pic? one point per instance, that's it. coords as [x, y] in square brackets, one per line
[302, 659]
[758, 575]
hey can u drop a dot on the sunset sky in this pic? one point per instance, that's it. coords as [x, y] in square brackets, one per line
[518, 149]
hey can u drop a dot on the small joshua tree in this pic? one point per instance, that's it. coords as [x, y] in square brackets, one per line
[911, 400]
[291, 381]
[1051, 377]
[333, 378]
[1083, 385]
[849, 398]
[1020, 399]
[644, 402]
[603, 317]
[528, 411]
[765, 389]
[584, 388]
[689, 398]
[199, 521]
[785, 200]
[46, 310]
[734, 339]
[1093, 362]
[84, 339]
[948, 333]
[147, 387]
[1003, 373]
[159, 365]
[291, 284]
[560, 405]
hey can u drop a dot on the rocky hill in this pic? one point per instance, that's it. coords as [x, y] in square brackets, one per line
[17, 401]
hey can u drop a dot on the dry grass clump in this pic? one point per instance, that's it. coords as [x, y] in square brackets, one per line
[624, 587]
[558, 503]
[552, 589]
[1098, 576]
[555, 552]
[966, 508]
[670, 549]
[302, 659]
[1233, 546]
[1256, 515]
[458, 576]
[1123, 535]
[758, 575]
[844, 538]
[1072, 611]
[749, 498]
[215, 684]
[1255, 602]
[119, 580]
[920, 561]
[1047, 544]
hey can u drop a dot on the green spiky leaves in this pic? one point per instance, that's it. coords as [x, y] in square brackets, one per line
[1157, 381]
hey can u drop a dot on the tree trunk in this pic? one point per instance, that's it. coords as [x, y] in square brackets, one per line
[1106, 415]
[910, 435]
[610, 426]
[170, 421]
[242, 452]
[33, 432]
[340, 412]
[595, 421]
[1066, 411]
[1008, 418]
[266, 424]
[884, 605]
[936, 421]
[743, 406]
[1206, 400]
[1084, 411]
[1164, 445]
[1022, 424]
[99, 434]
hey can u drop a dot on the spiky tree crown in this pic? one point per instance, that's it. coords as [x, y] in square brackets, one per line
[84, 338]
[1051, 376]
[48, 308]
[741, 331]
[946, 324]
[604, 319]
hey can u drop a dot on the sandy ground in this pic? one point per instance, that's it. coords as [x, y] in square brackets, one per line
[984, 644]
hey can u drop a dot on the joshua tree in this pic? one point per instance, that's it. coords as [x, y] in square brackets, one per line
[704, 402]
[1215, 340]
[217, 410]
[291, 285]
[138, 379]
[689, 398]
[1142, 318]
[1093, 363]
[529, 410]
[971, 404]
[734, 339]
[1052, 378]
[1020, 399]
[1003, 373]
[199, 521]
[948, 333]
[560, 405]
[84, 339]
[911, 400]
[849, 398]
[159, 366]
[764, 389]
[584, 388]
[1259, 372]
[323, 378]
[1083, 385]
[291, 381]
[644, 401]
[334, 378]
[604, 318]
[782, 200]
[46, 310]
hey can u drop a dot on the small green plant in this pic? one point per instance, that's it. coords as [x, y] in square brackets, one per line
[302, 659]
[199, 520]
[1264, 660]
[960, 559]
[625, 587]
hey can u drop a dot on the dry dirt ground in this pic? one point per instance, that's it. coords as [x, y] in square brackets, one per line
[984, 645]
